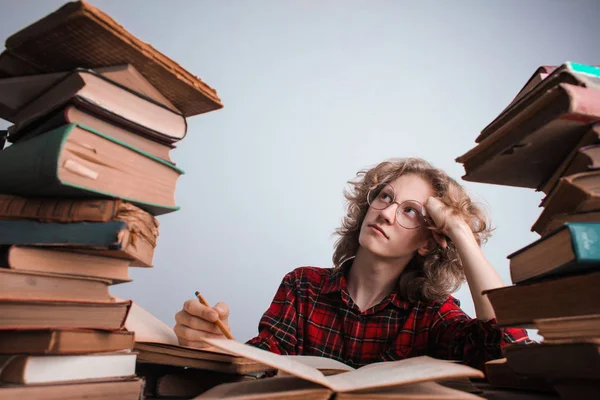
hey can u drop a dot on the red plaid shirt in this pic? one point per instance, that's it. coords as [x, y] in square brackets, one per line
[313, 314]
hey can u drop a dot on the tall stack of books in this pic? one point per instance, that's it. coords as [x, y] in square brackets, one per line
[548, 139]
[95, 112]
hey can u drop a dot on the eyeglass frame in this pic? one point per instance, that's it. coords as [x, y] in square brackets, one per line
[422, 213]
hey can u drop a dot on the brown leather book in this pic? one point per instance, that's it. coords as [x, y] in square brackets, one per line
[52, 260]
[55, 209]
[544, 79]
[575, 193]
[64, 341]
[583, 328]
[71, 114]
[78, 26]
[569, 164]
[122, 389]
[520, 305]
[93, 91]
[558, 220]
[527, 149]
[38, 314]
[21, 285]
[499, 374]
[39, 369]
[18, 91]
[555, 361]
[573, 248]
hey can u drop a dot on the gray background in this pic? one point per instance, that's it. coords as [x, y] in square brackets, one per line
[313, 92]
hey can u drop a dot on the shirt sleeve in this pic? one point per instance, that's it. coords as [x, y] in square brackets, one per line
[456, 336]
[277, 328]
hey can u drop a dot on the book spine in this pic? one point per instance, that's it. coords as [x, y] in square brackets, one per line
[58, 209]
[585, 238]
[105, 235]
[31, 166]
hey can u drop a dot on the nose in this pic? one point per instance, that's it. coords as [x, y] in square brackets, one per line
[389, 213]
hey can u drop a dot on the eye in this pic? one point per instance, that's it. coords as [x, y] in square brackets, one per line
[385, 196]
[410, 211]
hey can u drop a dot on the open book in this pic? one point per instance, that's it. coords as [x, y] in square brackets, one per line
[156, 343]
[377, 376]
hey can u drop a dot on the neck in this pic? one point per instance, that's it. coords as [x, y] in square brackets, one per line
[371, 279]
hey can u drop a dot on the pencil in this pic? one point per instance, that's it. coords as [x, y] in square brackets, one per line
[219, 323]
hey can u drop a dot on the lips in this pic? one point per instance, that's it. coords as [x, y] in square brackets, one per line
[376, 227]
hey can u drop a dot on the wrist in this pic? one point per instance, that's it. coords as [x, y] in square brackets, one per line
[461, 232]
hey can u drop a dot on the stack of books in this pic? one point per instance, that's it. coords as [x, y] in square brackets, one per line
[548, 139]
[94, 113]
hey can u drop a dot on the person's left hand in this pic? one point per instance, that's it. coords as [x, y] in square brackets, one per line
[444, 221]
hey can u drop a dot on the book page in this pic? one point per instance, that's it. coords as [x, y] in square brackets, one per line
[148, 328]
[402, 372]
[286, 364]
[322, 363]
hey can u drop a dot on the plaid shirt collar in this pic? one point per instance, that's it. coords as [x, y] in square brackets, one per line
[337, 283]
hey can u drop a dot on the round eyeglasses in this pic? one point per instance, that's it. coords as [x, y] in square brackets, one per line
[410, 214]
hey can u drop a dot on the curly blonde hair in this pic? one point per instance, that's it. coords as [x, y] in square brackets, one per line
[429, 278]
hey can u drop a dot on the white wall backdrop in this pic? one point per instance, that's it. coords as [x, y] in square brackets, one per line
[313, 92]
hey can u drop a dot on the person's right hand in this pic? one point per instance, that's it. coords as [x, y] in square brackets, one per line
[196, 321]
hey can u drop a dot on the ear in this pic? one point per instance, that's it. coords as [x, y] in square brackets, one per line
[427, 248]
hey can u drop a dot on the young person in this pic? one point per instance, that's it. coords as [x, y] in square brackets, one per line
[410, 237]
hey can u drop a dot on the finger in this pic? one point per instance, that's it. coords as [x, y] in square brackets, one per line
[195, 308]
[192, 335]
[223, 310]
[440, 239]
[197, 323]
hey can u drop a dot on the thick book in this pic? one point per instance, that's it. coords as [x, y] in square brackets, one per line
[535, 140]
[499, 374]
[575, 193]
[520, 305]
[379, 376]
[122, 389]
[156, 343]
[539, 75]
[557, 221]
[38, 314]
[64, 341]
[67, 210]
[16, 92]
[545, 78]
[556, 361]
[76, 161]
[65, 262]
[44, 286]
[582, 157]
[112, 238]
[294, 388]
[78, 26]
[571, 249]
[584, 328]
[31, 369]
[116, 128]
[93, 91]
[185, 382]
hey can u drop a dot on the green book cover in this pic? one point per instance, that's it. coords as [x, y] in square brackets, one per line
[30, 168]
[584, 69]
[585, 238]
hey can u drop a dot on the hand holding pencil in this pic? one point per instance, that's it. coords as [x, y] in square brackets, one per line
[198, 320]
